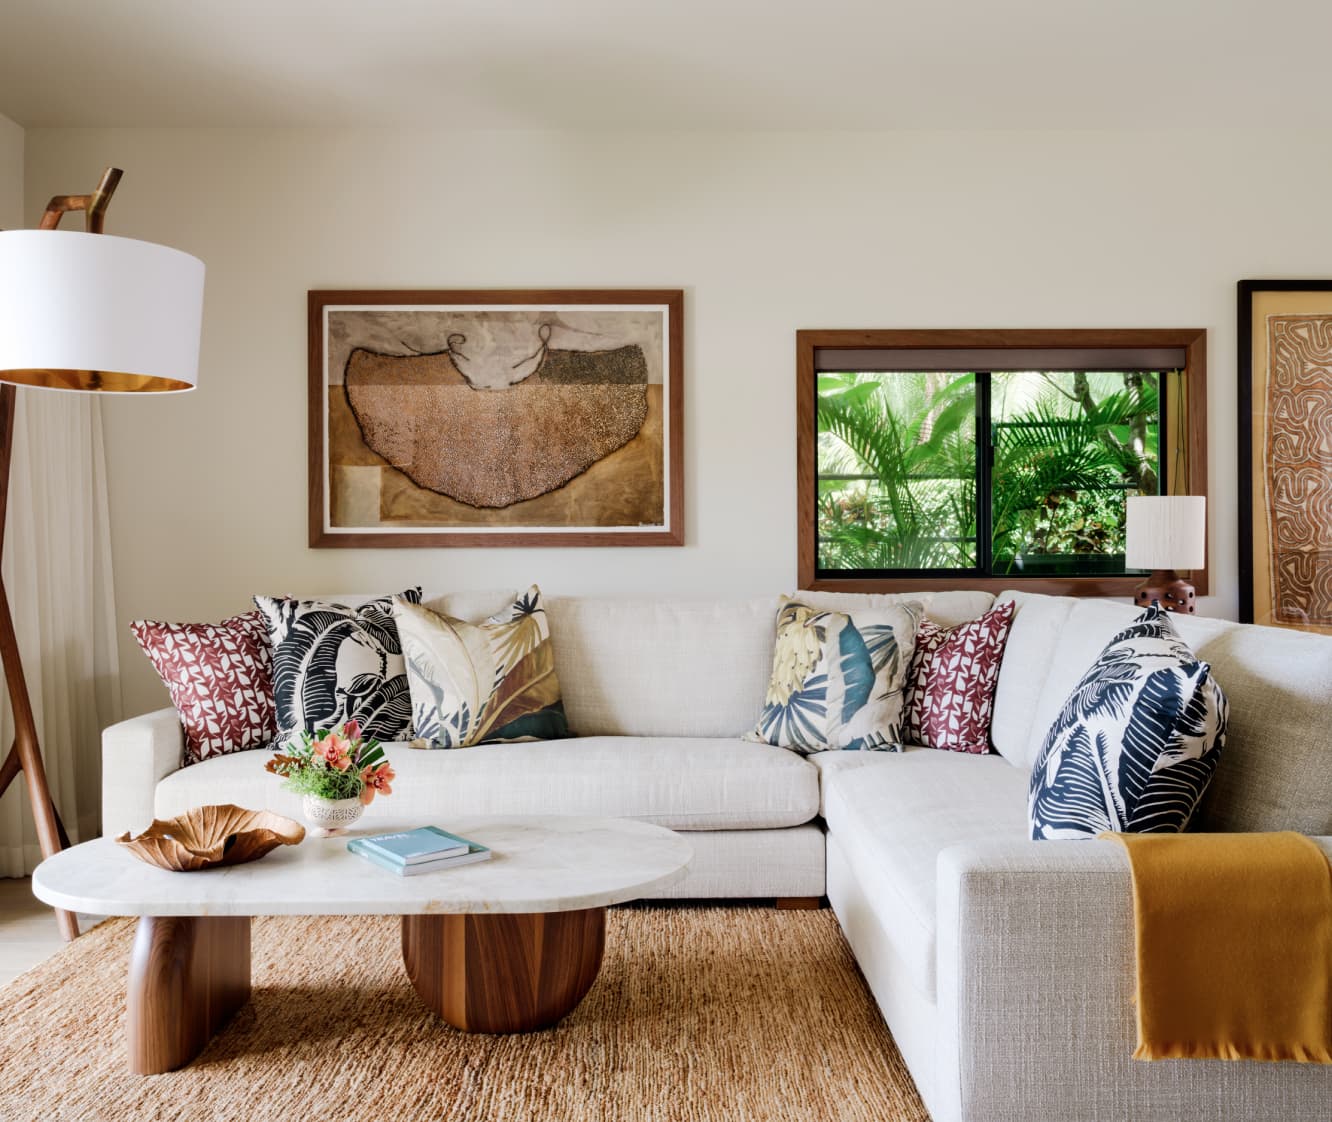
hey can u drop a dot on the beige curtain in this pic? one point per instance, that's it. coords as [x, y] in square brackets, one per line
[57, 569]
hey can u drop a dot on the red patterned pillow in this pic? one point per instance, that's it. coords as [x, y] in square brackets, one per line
[950, 689]
[220, 677]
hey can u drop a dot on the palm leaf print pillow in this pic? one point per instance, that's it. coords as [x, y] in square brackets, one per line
[838, 678]
[481, 683]
[332, 663]
[1136, 743]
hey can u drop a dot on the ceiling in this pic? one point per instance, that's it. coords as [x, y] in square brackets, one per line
[667, 64]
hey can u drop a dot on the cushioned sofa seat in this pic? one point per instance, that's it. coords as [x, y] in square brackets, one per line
[893, 814]
[683, 783]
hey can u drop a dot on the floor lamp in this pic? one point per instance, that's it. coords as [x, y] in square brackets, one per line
[87, 312]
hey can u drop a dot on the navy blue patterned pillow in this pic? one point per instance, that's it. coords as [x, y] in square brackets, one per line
[332, 663]
[1136, 743]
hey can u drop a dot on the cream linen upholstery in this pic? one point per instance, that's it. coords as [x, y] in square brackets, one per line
[662, 667]
[1038, 622]
[753, 863]
[686, 784]
[892, 821]
[1035, 1002]
[137, 755]
[947, 609]
[1276, 768]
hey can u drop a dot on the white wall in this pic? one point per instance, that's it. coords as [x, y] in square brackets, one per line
[11, 174]
[766, 232]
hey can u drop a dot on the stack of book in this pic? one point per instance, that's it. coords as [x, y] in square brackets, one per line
[418, 851]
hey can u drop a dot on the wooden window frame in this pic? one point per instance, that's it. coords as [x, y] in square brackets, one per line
[1193, 340]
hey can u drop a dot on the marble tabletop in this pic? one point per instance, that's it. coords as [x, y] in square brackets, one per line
[537, 864]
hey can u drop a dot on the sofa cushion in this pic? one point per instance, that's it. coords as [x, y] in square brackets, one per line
[895, 815]
[477, 683]
[334, 663]
[220, 678]
[1136, 742]
[662, 667]
[950, 691]
[947, 609]
[1028, 654]
[838, 678]
[1276, 773]
[686, 784]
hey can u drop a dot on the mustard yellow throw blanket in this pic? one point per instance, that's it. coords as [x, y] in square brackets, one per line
[1234, 943]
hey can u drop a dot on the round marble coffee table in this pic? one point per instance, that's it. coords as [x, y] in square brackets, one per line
[510, 944]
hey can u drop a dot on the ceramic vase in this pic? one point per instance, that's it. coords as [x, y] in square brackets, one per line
[331, 816]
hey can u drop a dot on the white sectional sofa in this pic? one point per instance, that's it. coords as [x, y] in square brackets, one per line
[1004, 967]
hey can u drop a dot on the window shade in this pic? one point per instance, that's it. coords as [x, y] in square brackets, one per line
[965, 359]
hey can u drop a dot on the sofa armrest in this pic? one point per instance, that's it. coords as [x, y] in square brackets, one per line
[136, 755]
[1036, 984]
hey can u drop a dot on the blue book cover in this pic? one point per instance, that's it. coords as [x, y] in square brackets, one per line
[474, 853]
[427, 843]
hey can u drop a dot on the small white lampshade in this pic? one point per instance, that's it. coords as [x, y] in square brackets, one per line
[1166, 532]
[94, 312]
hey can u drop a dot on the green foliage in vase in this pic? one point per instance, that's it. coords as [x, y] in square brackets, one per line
[333, 764]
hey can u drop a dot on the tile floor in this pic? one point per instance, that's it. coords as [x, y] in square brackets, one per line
[28, 933]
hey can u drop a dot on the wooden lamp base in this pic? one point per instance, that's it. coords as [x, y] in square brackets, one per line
[1168, 588]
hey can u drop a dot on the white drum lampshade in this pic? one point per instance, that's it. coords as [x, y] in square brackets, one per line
[1165, 533]
[93, 312]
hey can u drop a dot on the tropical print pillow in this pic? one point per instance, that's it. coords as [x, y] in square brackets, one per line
[481, 683]
[838, 678]
[332, 663]
[1136, 743]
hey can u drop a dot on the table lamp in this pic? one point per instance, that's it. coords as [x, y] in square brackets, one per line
[88, 312]
[1165, 533]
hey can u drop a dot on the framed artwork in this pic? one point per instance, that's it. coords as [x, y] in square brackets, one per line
[496, 418]
[1285, 453]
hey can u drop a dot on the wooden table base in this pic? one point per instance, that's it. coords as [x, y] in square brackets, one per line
[504, 973]
[187, 976]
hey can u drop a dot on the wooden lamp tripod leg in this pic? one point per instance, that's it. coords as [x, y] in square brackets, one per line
[25, 755]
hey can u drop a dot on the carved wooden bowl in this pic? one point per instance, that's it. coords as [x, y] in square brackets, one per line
[211, 836]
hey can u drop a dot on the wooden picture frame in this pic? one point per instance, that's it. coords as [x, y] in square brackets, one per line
[496, 417]
[1285, 481]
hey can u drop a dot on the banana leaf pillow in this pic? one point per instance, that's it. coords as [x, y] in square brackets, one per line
[332, 663]
[838, 678]
[481, 683]
[1136, 743]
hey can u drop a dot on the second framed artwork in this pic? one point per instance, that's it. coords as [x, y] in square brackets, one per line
[1285, 453]
[496, 418]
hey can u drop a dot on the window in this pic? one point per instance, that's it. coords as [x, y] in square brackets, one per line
[990, 459]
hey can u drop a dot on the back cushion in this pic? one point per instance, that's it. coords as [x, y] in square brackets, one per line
[662, 667]
[947, 609]
[1276, 770]
[1037, 625]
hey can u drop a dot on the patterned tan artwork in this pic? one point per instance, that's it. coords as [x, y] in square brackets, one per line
[1297, 452]
[463, 418]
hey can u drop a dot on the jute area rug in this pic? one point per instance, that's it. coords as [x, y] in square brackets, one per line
[699, 1015]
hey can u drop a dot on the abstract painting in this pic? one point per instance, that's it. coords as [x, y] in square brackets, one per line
[496, 418]
[1285, 444]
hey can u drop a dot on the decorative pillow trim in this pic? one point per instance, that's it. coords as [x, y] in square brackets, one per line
[333, 663]
[1137, 741]
[481, 683]
[219, 676]
[954, 673]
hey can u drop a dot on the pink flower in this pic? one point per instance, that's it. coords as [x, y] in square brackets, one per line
[376, 779]
[334, 751]
[352, 730]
